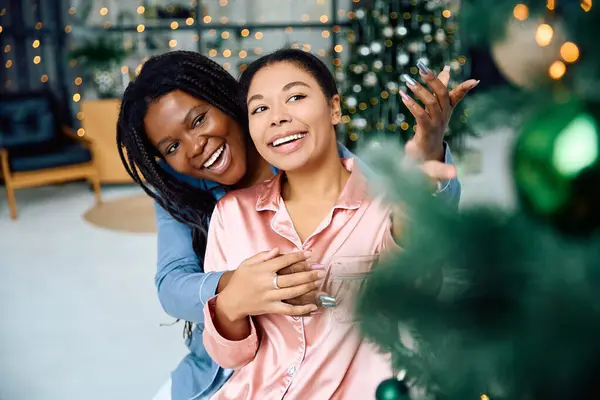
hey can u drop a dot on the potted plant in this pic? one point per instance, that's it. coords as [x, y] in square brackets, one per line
[99, 58]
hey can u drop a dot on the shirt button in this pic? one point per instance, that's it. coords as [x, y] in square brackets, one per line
[292, 370]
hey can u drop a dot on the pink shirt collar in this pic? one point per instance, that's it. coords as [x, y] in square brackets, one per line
[354, 193]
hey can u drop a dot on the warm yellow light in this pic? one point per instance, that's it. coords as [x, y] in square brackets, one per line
[103, 11]
[289, 29]
[207, 19]
[106, 25]
[544, 34]
[80, 132]
[323, 18]
[78, 81]
[557, 70]
[320, 2]
[306, 47]
[76, 97]
[484, 397]
[68, 29]
[174, 25]
[325, 34]
[7, 48]
[222, 3]
[196, 37]
[321, 52]
[224, 20]
[212, 52]
[227, 66]
[338, 48]
[353, 137]
[258, 35]
[141, 9]
[521, 12]
[243, 54]
[345, 119]
[447, 13]
[38, 25]
[172, 43]
[245, 32]
[72, 11]
[385, 94]
[124, 69]
[225, 35]
[226, 53]
[258, 51]
[189, 21]
[336, 28]
[80, 116]
[337, 62]
[305, 17]
[138, 69]
[569, 52]
[0, 28]
[44, 78]
[586, 5]
[8, 64]
[404, 126]
[37, 59]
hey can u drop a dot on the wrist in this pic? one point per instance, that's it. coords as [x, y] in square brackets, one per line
[227, 309]
[224, 281]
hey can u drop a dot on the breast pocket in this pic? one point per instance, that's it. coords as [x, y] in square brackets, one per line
[346, 278]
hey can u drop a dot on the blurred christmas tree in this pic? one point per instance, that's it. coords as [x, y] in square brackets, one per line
[388, 38]
[493, 303]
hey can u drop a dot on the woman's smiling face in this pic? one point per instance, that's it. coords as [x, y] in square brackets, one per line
[291, 120]
[196, 138]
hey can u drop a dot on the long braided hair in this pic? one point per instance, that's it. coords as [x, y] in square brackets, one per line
[199, 77]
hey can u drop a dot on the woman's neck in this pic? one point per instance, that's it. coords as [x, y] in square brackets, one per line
[323, 181]
[257, 169]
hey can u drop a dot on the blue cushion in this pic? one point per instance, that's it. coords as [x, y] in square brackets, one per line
[49, 156]
[25, 121]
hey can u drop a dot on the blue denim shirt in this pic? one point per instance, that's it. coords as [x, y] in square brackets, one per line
[183, 289]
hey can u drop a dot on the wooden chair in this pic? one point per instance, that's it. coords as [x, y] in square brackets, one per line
[36, 149]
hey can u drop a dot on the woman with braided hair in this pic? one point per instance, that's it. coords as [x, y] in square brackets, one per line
[183, 137]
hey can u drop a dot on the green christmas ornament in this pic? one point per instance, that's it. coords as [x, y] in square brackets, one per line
[392, 389]
[557, 167]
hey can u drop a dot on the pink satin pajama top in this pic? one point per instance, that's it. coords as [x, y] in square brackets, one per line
[317, 357]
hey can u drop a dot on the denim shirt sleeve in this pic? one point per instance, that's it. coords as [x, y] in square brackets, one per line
[450, 190]
[183, 287]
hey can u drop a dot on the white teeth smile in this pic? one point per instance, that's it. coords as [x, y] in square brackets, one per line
[214, 157]
[287, 139]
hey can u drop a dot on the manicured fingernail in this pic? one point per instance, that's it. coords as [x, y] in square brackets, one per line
[321, 274]
[409, 81]
[446, 68]
[316, 313]
[328, 304]
[423, 68]
[307, 253]
[405, 97]
[317, 266]
[475, 84]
